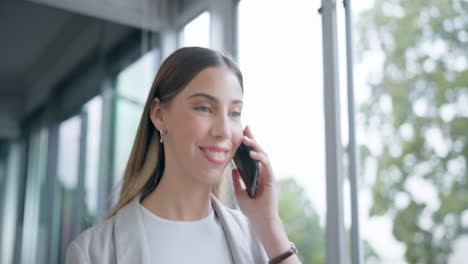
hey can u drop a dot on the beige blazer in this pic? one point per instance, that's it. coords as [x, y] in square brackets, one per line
[122, 238]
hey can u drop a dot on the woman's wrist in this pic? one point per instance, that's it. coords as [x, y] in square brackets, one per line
[274, 239]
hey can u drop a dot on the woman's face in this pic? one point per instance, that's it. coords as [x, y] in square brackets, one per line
[203, 125]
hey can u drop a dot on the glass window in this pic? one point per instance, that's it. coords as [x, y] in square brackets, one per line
[411, 79]
[129, 106]
[281, 59]
[128, 117]
[67, 174]
[93, 112]
[134, 82]
[36, 209]
[197, 32]
[10, 209]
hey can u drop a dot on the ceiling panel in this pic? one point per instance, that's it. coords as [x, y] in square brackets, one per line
[145, 14]
[26, 30]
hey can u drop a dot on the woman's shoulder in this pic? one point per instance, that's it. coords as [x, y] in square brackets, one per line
[95, 243]
[101, 232]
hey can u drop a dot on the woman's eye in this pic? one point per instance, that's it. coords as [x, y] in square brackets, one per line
[203, 109]
[236, 114]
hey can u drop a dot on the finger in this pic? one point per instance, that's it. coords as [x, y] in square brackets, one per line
[253, 144]
[267, 177]
[260, 156]
[265, 164]
[248, 132]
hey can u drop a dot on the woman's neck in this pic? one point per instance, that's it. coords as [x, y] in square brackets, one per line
[179, 199]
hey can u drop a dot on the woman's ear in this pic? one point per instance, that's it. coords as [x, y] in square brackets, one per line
[157, 114]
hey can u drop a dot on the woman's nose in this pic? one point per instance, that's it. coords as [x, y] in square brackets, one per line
[221, 127]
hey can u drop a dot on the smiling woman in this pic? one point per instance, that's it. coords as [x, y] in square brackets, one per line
[201, 129]
[189, 131]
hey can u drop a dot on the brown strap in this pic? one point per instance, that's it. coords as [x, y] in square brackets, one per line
[292, 250]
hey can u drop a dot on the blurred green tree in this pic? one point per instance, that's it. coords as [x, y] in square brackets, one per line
[301, 221]
[302, 224]
[419, 107]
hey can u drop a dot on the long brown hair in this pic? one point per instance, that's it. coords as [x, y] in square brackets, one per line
[145, 165]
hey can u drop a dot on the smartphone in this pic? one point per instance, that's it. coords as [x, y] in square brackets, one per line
[249, 169]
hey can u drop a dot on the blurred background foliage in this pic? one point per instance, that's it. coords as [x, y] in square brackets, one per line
[302, 223]
[419, 108]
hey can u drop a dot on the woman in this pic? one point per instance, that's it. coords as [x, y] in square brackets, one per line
[168, 210]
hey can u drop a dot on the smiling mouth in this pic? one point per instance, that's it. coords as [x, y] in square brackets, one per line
[215, 156]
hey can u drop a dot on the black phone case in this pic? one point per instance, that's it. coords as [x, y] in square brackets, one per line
[248, 168]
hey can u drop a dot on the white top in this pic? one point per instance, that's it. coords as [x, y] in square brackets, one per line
[201, 241]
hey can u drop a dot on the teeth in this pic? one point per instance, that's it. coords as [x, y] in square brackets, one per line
[216, 154]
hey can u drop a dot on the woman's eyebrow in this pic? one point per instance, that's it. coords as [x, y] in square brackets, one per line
[212, 98]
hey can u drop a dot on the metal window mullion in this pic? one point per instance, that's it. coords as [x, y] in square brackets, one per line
[54, 195]
[356, 244]
[106, 150]
[223, 26]
[12, 192]
[55, 192]
[30, 195]
[80, 195]
[22, 197]
[335, 233]
[3, 198]
[169, 36]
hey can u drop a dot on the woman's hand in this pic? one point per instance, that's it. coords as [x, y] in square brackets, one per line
[262, 211]
[264, 207]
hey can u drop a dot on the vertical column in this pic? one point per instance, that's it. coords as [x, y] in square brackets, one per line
[55, 193]
[223, 26]
[80, 195]
[356, 245]
[106, 150]
[3, 183]
[11, 210]
[168, 35]
[54, 196]
[335, 233]
[24, 148]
